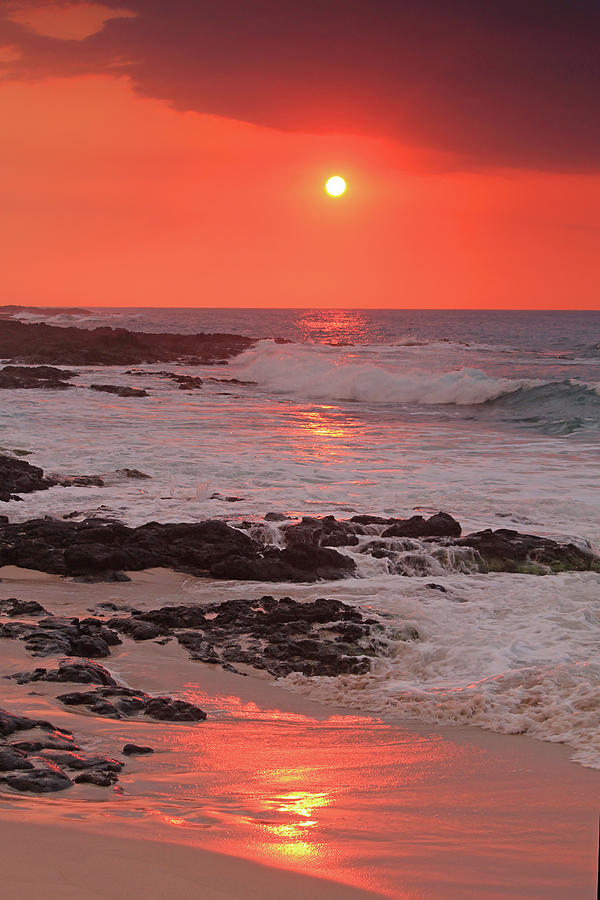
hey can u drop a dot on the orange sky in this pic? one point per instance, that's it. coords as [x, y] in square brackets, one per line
[110, 198]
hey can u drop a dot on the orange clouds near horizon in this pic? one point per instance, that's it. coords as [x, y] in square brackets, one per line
[112, 199]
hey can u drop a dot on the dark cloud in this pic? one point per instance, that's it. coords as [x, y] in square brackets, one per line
[494, 82]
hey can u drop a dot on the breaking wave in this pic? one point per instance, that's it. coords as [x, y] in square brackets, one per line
[326, 374]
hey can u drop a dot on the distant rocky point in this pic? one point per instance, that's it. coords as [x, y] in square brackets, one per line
[39, 343]
[16, 309]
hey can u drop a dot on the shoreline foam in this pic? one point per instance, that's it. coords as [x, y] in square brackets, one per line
[408, 810]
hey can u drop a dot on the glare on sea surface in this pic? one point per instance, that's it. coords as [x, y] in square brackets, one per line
[335, 186]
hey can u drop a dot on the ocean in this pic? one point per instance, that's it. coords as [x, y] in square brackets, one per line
[492, 416]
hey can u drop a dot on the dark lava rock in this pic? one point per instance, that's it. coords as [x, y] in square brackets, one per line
[13, 607]
[436, 587]
[136, 750]
[101, 778]
[169, 710]
[509, 551]
[276, 517]
[198, 647]
[119, 703]
[20, 477]
[440, 525]
[44, 377]
[132, 473]
[325, 532]
[102, 578]
[12, 759]
[82, 481]
[9, 724]
[187, 382]
[324, 637]
[78, 671]
[139, 631]
[67, 637]
[50, 756]
[119, 390]
[373, 520]
[39, 781]
[69, 760]
[41, 343]
[60, 742]
[211, 548]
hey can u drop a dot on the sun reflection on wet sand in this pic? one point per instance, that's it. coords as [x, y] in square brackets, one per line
[347, 798]
[292, 791]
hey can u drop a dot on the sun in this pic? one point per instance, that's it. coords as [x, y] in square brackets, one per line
[335, 186]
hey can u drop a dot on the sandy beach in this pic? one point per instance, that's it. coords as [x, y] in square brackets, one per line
[275, 789]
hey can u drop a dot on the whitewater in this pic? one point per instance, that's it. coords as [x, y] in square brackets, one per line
[492, 417]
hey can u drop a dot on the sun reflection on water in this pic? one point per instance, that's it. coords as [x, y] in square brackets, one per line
[340, 327]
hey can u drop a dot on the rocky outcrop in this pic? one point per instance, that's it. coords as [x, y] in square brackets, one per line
[505, 550]
[20, 477]
[324, 637]
[13, 607]
[206, 548]
[30, 377]
[119, 390]
[102, 549]
[440, 525]
[324, 532]
[41, 343]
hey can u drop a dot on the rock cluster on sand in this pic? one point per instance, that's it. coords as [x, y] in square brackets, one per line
[117, 702]
[41, 343]
[55, 636]
[324, 637]
[37, 765]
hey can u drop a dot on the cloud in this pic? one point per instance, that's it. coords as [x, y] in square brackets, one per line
[72, 21]
[500, 83]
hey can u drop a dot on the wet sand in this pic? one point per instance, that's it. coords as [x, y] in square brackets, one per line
[288, 787]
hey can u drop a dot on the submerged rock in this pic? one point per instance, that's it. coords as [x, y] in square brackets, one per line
[36, 766]
[31, 377]
[39, 781]
[120, 702]
[505, 550]
[119, 390]
[77, 671]
[20, 477]
[136, 750]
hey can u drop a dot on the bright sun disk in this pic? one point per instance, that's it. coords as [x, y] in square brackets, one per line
[335, 185]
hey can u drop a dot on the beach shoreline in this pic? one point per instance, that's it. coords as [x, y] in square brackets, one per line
[402, 809]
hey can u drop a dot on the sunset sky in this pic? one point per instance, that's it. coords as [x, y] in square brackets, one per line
[175, 153]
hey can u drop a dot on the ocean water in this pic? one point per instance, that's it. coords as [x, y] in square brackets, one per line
[491, 416]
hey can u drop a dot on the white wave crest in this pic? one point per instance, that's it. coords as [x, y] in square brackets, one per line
[326, 373]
